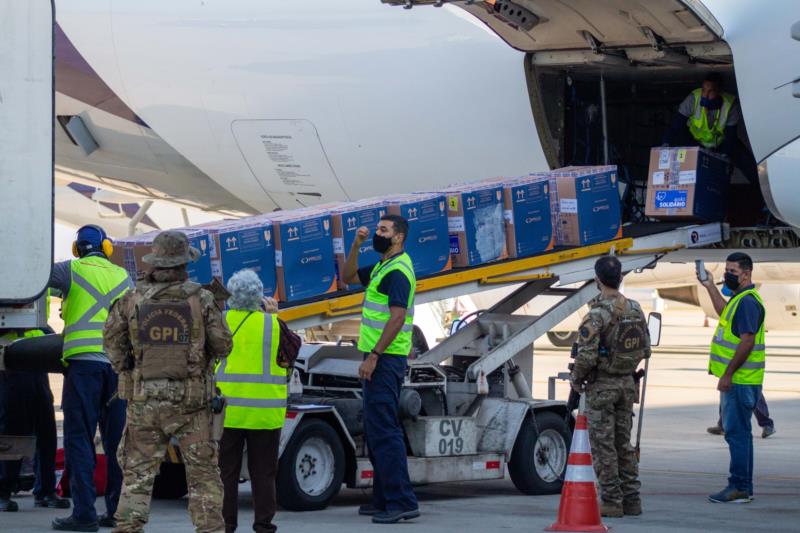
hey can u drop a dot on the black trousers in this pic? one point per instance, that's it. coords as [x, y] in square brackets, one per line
[262, 463]
[26, 408]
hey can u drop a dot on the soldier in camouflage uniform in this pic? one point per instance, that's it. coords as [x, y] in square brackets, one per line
[613, 340]
[163, 339]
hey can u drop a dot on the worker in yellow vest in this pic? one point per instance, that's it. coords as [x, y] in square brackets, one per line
[737, 359]
[253, 380]
[89, 285]
[709, 117]
[385, 339]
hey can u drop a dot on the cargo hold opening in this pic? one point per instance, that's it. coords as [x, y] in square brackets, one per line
[640, 102]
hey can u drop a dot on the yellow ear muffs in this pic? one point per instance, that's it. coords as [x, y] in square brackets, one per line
[108, 247]
[75, 249]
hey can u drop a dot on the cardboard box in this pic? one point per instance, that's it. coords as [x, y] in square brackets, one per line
[135, 248]
[529, 226]
[246, 243]
[476, 224]
[346, 220]
[427, 243]
[304, 259]
[686, 184]
[585, 206]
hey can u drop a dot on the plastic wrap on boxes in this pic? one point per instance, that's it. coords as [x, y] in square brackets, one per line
[476, 223]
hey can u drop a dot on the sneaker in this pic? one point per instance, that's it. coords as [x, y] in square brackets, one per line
[611, 510]
[106, 521]
[767, 431]
[731, 495]
[392, 517]
[368, 510]
[51, 501]
[7, 505]
[632, 507]
[70, 524]
[716, 430]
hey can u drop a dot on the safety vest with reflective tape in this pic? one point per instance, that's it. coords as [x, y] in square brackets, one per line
[724, 344]
[710, 136]
[250, 379]
[96, 283]
[375, 309]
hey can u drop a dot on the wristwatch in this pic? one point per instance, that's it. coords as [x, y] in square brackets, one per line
[375, 352]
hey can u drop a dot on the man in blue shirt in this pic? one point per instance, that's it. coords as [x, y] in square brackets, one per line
[748, 318]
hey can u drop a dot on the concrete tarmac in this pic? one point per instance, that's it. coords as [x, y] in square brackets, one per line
[681, 463]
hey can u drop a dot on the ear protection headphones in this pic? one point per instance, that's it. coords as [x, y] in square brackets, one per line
[106, 246]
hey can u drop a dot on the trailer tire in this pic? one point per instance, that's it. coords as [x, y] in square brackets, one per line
[170, 483]
[562, 339]
[301, 486]
[540, 453]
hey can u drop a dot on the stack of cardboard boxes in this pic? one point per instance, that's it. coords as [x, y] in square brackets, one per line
[300, 254]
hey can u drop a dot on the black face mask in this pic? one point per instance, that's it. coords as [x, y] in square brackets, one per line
[381, 244]
[731, 281]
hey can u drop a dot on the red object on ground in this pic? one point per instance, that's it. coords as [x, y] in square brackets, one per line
[578, 509]
[62, 475]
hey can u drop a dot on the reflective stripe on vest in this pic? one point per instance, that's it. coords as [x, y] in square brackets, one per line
[96, 284]
[375, 312]
[724, 344]
[250, 378]
[710, 136]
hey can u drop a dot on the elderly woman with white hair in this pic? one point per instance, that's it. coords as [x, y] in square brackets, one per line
[253, 381]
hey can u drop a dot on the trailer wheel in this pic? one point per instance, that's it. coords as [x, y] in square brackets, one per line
[311, 469]
[170, 483]
[562, 339]
[539, 458]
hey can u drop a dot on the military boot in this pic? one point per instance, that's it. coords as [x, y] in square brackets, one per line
[611, 510]
[632, 507]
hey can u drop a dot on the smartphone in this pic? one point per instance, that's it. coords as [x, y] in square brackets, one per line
[701, 269]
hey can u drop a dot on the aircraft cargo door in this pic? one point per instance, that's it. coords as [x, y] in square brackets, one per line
[26, 148]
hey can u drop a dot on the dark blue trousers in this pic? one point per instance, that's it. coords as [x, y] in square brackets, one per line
[391, 487]
[26, 408]
[88, 389]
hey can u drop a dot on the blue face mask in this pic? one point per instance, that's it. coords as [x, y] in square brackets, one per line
[716, 103]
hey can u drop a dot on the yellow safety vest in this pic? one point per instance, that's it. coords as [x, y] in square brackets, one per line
[11, 336]
[710, 136]
[96, 283]
[375, 312]
[250, 378]
[724, 344]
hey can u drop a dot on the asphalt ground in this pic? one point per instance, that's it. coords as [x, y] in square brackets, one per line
[681, 463]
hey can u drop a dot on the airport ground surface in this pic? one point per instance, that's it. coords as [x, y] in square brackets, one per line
[681, 463]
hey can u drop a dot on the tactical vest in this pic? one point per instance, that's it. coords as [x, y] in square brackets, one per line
[168, 339]
[724, 344]
[96, 283]
[375, 312]
[626, 337]
[253, 384]
[709, 135]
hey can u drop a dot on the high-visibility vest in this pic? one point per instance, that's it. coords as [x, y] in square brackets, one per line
[724, 344]
[709, 135]
[11, 336]
[96, 283]
[250, 378]
[375, 309]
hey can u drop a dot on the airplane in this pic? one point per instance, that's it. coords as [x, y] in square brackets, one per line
[250, 106]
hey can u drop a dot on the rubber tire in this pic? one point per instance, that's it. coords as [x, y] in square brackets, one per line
[170, 483]
[290, 496]
[557, 338]
[521, 466]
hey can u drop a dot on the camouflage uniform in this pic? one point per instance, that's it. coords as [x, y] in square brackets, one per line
[613, 339]
[163, 339]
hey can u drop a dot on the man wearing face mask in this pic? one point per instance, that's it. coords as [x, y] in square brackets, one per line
[737, 358]
[709, 117]
[385, 338]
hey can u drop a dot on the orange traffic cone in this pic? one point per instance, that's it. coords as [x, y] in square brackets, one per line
[578, 510]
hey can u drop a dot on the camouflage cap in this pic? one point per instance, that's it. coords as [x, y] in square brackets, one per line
[170, 249]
